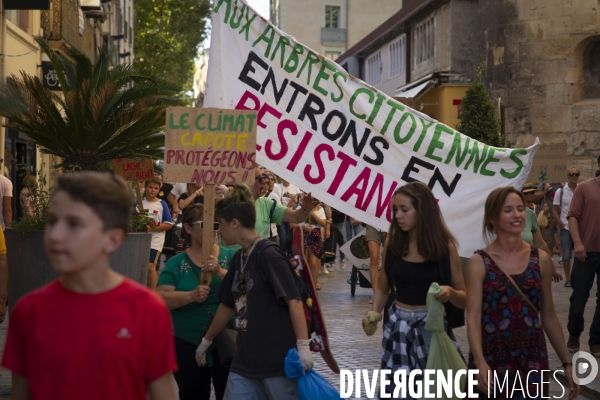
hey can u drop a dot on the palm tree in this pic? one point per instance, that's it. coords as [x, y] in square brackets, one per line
[103, 113]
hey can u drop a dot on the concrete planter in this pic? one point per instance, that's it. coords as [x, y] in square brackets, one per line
[29, 267]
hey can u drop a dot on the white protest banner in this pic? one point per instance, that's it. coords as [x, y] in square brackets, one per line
[348, 144]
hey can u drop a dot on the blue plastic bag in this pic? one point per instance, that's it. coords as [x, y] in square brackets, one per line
[311, 386]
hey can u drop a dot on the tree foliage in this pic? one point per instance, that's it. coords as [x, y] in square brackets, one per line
[104, 113]
[167, 37]
[477, 118]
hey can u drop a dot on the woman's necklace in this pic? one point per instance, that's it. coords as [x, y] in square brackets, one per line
[242, 262]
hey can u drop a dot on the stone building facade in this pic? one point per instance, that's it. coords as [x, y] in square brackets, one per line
[539, 58]
[542, 59]
[84, 25]
[423, 56]
[330, 27]
[117, 30]
[18, 52]
[66, 26]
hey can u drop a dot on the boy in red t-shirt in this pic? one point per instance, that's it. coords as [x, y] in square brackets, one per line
[92, 333]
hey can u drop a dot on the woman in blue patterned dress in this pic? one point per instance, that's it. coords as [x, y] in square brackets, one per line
[505, 323]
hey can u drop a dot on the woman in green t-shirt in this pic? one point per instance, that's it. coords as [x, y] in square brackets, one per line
[191, 306]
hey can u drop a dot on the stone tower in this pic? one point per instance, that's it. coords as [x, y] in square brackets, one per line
[542, 59]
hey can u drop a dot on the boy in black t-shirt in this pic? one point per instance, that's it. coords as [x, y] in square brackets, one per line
[260, 290]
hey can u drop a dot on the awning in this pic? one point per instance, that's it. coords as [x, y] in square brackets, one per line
[414, 91]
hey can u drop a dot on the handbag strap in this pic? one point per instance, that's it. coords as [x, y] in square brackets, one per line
[192, 266]
[514, 284]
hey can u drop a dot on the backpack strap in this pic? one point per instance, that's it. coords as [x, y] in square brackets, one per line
[445, 270]
[560, 197]
[562, 191]
[259, 251]
[455, 317]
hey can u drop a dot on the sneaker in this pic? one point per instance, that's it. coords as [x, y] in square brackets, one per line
[573, 344]
[325, 270]
[595, 350]
[330, 267]
[342, 264]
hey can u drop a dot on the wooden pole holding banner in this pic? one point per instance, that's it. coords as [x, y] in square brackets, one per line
[138, 194]
[208, 234]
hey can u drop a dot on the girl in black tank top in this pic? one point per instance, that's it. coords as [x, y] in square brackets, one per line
[418, 238]
[412, 279]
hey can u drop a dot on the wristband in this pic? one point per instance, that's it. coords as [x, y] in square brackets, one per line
[206, 342]
[306, 211]
[566, 364]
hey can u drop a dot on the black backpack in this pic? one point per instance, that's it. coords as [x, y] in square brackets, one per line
[300, 283]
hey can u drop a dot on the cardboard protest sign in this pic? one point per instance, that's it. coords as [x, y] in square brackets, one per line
[210, 146]
[549, 164]
[349, 144]
[133, 170]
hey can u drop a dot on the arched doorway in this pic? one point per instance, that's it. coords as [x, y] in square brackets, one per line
[591, 70]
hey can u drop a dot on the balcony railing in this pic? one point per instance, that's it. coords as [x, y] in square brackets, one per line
[333, 35]
[61, 27]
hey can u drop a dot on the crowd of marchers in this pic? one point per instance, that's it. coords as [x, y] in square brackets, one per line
[93, 333]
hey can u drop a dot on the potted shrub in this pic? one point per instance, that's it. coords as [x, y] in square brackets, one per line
[102, 113]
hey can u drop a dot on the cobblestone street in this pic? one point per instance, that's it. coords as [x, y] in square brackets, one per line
[354, 350]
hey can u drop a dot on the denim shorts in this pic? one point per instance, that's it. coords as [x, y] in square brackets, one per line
[278, 388]
[411, 316]
[566, 241]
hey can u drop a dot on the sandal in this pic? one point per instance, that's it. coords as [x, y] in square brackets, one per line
[568, 284]
[318, 287]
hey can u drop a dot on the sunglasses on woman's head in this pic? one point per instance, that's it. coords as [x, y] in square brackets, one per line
[201, 223]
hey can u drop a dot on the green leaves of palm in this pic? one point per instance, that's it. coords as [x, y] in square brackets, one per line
[104, 113]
